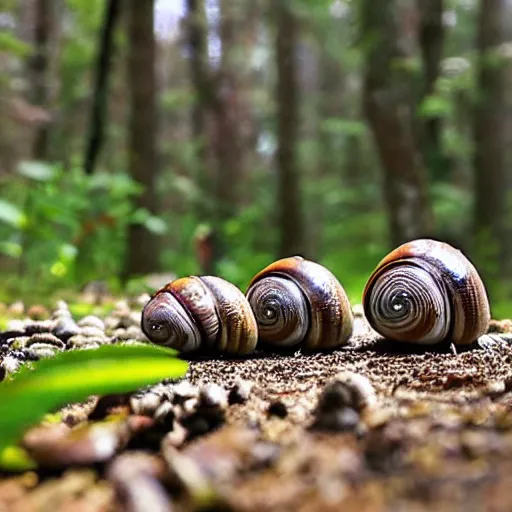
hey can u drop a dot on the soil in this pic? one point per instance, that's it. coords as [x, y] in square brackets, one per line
[439, 437]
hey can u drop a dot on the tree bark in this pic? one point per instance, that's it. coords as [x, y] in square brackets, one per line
[227, 116]
[431, 37]
[389, 108]
[142, 249]
[289, 201]
[40, 71]
[100, 96]
[493, 141]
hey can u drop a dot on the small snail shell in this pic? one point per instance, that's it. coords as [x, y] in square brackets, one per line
[426, 292]
[204, 312]
[296, 301]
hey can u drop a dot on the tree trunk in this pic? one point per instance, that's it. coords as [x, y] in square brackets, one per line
[201, 78]
[493, 141]
[431, 37]
[142, 249]
[289, 206]
[40, 71]
[227, 115]
[389, 108]
[197, 41]
[103, 65]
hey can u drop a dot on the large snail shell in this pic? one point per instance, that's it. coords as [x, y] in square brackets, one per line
[204, 312]
[296, 301]
[427, 292]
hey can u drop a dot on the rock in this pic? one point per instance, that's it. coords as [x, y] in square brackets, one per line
[61, 446]
[137, 480]
[240, 392]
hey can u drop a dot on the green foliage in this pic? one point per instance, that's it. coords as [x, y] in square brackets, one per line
[59, 234]
[11, 44]
[75, 375]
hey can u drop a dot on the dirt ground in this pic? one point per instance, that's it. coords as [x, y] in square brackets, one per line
[438, 437]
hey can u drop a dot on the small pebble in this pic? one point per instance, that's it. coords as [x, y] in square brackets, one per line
[39, 327]
[11, 364]
[184, 390]
[175, 437]
[213, 395]
[37, 312]
[92, 321]
[16, 325]
[145, 404]
[240, 392]
[41, 350]
[92, 332]
[45, 338]
[65, 328]
[19, 342]
[278, 409]
[164, 414]
[338, 420]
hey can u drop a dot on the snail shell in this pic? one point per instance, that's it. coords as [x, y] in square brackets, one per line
[427, 292]
[204, 312]
[296, 301]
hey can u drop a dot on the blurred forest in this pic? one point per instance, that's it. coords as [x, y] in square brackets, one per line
[213, 136]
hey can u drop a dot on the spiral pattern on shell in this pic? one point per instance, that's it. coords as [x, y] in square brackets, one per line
[426, 292]
[200, 313]
[296, 301]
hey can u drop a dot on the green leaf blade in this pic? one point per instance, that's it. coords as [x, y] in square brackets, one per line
[74, 376]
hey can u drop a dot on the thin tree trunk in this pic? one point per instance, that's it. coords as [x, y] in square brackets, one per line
[493, 141]
[142, 248]
[227, 137]
[389, 108]
[206, 242]
[289, 207]
[40, 67]
[431, 37]
[100, 96]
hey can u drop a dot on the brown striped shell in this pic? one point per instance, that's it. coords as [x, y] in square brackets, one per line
[200, 313]
[427, 292]
[299, 302]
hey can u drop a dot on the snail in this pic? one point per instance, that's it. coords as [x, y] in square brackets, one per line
[427, 292]
[296, 301]
[203, 313]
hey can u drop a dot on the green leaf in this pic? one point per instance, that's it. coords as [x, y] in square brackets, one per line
[14, 458]
[11, 214]
[74, 376]
[37, 171]
[9, 43]
[11, 249]
[155, 225]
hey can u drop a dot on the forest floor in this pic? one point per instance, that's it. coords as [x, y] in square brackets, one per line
[249, 435]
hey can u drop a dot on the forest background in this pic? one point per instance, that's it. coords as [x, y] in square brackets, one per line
[142, 137]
